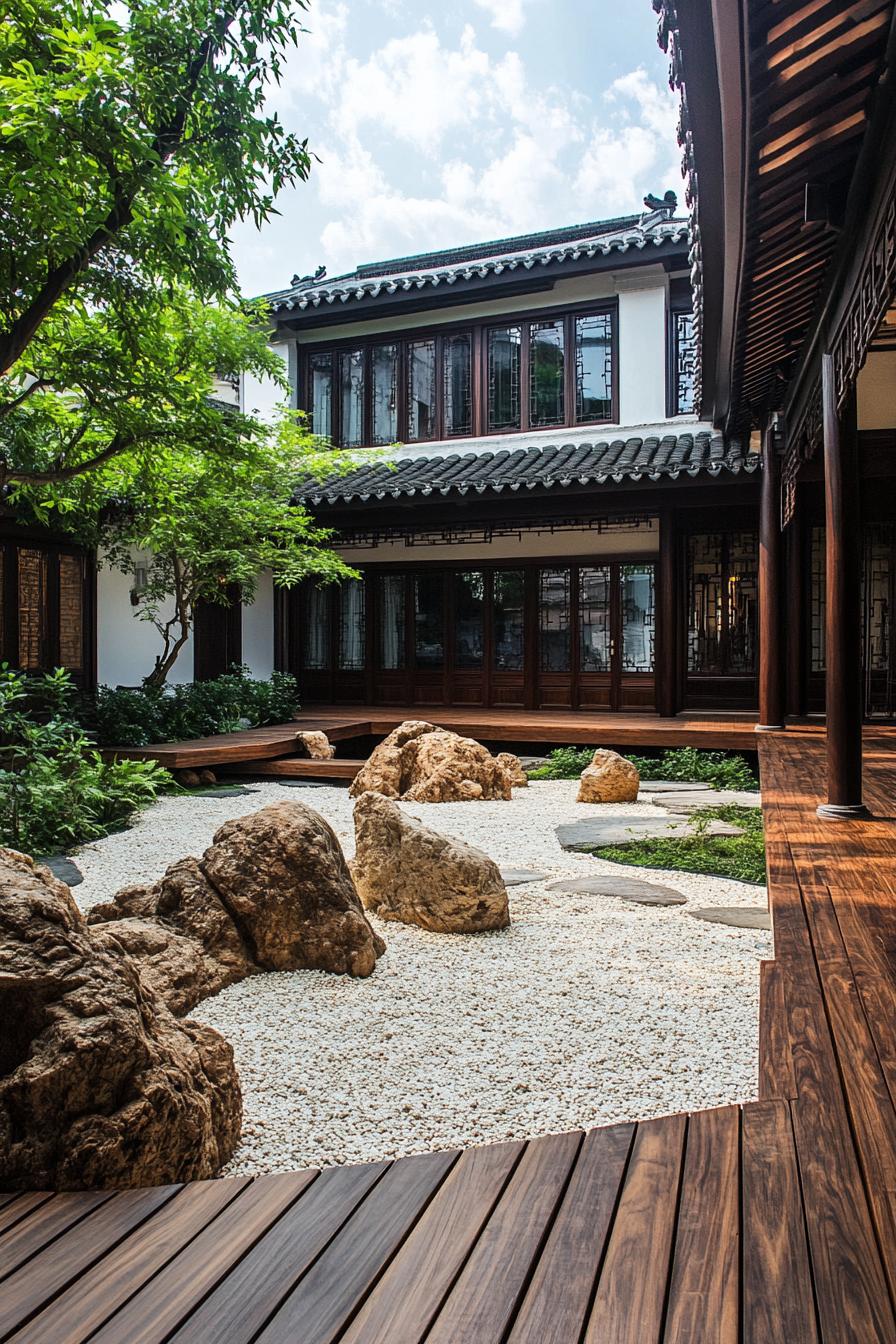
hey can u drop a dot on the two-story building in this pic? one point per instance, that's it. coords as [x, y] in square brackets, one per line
[556, 527]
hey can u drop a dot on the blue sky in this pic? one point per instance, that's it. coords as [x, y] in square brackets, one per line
[438, 125]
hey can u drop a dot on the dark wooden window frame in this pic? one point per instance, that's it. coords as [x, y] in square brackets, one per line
[331, 683]
[10, 544]
[679, 303]
[477, 329]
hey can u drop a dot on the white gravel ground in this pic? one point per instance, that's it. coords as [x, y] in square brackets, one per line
[586, 1011]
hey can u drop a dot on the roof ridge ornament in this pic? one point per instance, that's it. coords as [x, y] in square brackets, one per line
[658, 210]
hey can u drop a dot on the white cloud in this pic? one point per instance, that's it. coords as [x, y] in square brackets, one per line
[426, 143]
[507, 15]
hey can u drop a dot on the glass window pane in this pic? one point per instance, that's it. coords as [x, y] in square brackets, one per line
[385, 393]
[392, 623]
[351, 625]
[554, 620]
[429, 637]
[685, 363]
[546, 367]
[508, 619]
[594, 618]
[743, 601]
[71, 613]
[469, 618]
[504, 377]
[316, 642]
[458, 412]
[351, 397]
[636, 583]
[33, 650]
[705, 602]
[421, 390]
[320, 402]
[594, 367]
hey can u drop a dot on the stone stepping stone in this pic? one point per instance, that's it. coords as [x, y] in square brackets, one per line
[595, 833]
[687, 802]
[744, 917]
[670, 786]
[222, 791]
[64, 868]
[627, 888]
[517, 877]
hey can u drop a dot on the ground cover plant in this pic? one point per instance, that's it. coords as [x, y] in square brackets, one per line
[719, 769]
[137, 717]
[56, 791]
[738, 856]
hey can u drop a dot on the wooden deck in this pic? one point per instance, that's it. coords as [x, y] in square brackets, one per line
[771, 1223]
[548, 727]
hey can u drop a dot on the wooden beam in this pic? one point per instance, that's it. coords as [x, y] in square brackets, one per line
[771, 635]
[843, 692]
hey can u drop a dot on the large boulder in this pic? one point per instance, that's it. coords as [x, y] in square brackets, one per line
[426, 764]
[315, 745]
[100, 1086]
[405, 871]
[610, 778]
[513, 769]
[282, 876]
[271, 893]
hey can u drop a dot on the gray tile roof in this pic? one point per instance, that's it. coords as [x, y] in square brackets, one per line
[652, 458]
[464, 264]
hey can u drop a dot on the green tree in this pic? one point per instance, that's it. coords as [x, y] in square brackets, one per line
[209, 522]
[134, 135]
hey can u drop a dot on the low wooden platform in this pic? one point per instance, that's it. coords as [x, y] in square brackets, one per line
[296, 767]
[771, 1223]
[550, 727]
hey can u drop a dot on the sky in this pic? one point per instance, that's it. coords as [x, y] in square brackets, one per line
[436, 125]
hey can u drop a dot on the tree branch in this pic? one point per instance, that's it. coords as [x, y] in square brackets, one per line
[16, 338]
[7, 407]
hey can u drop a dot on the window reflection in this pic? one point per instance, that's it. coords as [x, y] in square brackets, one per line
[429, 636]
[421, 390]
[554, 620]
[384, 370]
[469, 618]
[504, 377]
[508, 620]
[594, 618]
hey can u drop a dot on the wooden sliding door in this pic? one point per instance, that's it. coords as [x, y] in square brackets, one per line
[596, 636]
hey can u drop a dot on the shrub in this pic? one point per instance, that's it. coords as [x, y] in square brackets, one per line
[738, 856]
[56, 791]
[720, 769]
[137, 718]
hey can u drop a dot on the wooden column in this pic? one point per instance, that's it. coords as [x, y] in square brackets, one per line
[843, 622]
[771, 633]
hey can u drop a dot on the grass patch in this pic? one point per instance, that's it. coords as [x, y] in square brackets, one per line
[719, 769]
[738, 856]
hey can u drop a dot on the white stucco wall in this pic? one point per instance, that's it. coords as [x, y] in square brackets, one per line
[642, 351]
[877, 391]
[523, 545]
[126, 646]
[258, 629]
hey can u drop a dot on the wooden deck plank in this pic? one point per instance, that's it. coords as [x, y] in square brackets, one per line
[296, 767]
[333, 1289]
[407, 1297]
[775, 1059]
[245, 1300]
[483, 1301]
[778, 1306]
[704, 1298]
[44, 1224]
[38, 1281]
[554, 727]
[151, 1315]
[557, 1302]
[20, 1206]
[100, 1291]
[631, 1292]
